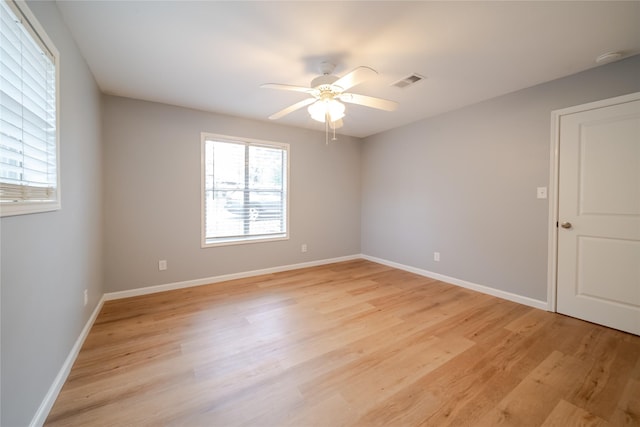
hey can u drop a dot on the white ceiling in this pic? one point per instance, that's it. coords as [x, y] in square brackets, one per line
[214, 55]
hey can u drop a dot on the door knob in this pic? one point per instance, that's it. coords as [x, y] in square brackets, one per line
[566, 225]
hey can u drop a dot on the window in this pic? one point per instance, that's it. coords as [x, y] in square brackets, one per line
[29, 180]
[244, 190]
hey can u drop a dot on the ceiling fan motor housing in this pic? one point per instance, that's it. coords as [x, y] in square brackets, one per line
[324, 82]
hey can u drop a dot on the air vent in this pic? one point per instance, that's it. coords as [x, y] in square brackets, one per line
[409, 80]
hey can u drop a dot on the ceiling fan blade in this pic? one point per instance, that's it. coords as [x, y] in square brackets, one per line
[288, 87]
[292, 108]
[368, 101]
[355, 77]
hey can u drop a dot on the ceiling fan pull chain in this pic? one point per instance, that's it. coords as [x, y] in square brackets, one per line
[326, 129]
[334, 132]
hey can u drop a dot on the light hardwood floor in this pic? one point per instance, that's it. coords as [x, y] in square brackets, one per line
[347, 344]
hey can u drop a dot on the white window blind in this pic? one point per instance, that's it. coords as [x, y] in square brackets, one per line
[245, 195]
[28, 114]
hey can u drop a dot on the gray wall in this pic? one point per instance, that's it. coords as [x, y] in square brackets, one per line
[464, 184]
[48, 259]
[152, 195]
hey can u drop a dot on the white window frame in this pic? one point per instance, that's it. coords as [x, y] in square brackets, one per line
[207, 243]
[38, 34]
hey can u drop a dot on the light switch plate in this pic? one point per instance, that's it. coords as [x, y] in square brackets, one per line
[542, 192]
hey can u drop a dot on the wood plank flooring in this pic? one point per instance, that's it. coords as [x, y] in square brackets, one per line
[347, 344]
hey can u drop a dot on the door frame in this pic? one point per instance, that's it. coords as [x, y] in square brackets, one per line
[554, 170]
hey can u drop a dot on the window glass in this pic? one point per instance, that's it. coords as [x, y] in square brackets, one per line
[245, 196]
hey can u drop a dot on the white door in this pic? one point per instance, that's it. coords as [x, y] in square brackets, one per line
[598, 276]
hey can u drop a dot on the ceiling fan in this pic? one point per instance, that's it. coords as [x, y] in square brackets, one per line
[326, 93]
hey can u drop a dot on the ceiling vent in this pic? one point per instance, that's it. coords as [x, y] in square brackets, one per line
[407, 81]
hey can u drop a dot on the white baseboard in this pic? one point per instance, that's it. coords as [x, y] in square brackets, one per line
[214, 279]
[50, 398]
[542, 305]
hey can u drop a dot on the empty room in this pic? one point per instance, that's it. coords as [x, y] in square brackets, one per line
[320, 213]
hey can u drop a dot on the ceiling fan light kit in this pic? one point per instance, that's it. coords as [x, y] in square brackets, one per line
[326, 93]
[326, 109]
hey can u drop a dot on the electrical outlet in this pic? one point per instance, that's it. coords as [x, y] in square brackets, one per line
[303, 248]
[162, 264]
[86, 297]
[436, 256]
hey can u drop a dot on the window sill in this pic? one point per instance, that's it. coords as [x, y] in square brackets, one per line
[27, 208]
[211, 243]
